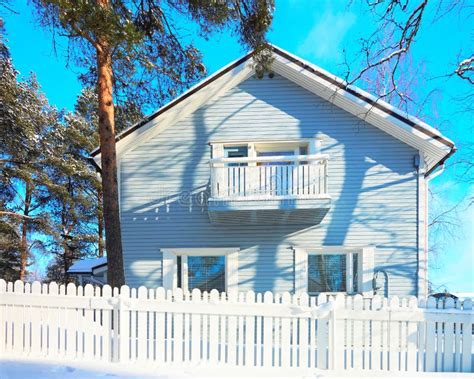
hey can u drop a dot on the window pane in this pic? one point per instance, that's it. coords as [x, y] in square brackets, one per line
[206, 273]
[236, 152]
[327, 273]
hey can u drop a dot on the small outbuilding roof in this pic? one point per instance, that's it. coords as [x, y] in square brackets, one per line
[86, 266]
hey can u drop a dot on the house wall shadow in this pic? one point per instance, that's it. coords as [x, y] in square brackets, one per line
[371, 180]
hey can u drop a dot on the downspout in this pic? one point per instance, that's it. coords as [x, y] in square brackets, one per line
[422, 219]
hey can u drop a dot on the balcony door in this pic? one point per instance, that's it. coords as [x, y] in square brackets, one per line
[277, 177]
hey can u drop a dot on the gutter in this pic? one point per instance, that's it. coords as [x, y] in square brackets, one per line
[441, 162]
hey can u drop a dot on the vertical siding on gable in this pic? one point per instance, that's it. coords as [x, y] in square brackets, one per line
[372, 182]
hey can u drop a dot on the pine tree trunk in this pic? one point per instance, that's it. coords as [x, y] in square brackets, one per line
[24, 232]
[100, 223]
[113, 240]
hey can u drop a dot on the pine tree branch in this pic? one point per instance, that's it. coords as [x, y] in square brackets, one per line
[18, 215]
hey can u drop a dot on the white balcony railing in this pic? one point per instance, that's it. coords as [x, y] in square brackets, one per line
[299, 176]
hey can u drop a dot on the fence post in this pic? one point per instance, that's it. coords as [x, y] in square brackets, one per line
[467, 339]
[338, 335]
[124, 322]
[332, 336]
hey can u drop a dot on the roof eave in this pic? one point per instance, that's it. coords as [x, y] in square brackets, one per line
[432, 135]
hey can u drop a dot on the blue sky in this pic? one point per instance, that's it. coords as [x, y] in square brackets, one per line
[318, 31]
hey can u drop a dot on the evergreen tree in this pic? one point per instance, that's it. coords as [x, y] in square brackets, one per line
[75, 190]
[135, 48]
[72, 205]
[25, 117]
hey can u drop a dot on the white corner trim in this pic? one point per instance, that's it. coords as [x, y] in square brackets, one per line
[422, 206]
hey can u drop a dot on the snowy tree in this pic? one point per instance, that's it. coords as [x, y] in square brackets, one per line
[134, 51]
[25, 117]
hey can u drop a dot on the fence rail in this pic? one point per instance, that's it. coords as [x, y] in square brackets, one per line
[237, 329]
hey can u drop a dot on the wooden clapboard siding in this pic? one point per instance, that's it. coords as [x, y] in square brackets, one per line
[371, 179]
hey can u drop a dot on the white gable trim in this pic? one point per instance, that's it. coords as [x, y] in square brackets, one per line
[194, 98]
[376, 112]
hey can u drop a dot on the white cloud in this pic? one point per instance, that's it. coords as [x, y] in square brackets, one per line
[325, 38]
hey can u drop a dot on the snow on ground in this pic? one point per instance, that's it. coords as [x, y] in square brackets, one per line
[36, 369]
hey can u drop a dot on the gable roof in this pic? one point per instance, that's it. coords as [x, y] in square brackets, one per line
[410, 130]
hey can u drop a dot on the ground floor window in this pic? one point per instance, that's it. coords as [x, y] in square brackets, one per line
[333, 269]
[205, 269]
[332, 273]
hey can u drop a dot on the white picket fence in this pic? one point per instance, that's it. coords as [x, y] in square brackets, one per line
[245, 329]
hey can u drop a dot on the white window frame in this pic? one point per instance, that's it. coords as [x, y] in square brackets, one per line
[365, 269]
[312, 144]
[170, 265]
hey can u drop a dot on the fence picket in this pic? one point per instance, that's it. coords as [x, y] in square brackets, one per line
[20, 325]
[124, 322]
[421, 339]
[178, 329]
[411, 356]
[160, 326]
[448, 350]
[430, 358]
[267, 333]
[467, 339]
[205, 330]
[285, 333]
[196, 328]
[357, 353]
[303, 342]
[250, 333]
[240, 337]
[394, 336]
[142, 327]
[339, 338]
[294, 334]
[322, 337]
[88, 316]
[70, 325]
[223, 332]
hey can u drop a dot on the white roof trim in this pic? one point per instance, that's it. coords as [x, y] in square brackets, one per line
[354, 100]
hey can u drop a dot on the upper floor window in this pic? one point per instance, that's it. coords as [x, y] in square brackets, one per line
[236, 152]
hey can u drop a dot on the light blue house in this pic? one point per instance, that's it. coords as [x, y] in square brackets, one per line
[290, 182]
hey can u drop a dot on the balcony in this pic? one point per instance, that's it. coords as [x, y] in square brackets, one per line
[269, 190]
